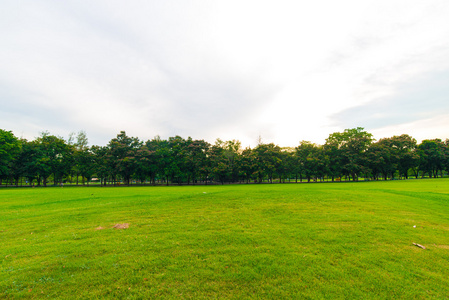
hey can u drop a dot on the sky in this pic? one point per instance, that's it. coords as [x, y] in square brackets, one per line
[282, 71]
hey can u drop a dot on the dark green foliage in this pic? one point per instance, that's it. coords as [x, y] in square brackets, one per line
[432, 156]
[351, 154]
[9, 149]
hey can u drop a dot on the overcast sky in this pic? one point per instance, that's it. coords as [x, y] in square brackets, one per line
[283, 70]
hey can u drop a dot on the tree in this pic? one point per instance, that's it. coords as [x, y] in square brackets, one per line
[162, 156]
[352, 153]
[79, 143]
[268, 158]
[404, 150]
[311, 158]
[286, 167]
[219, 168]
[446, 155]
[351, 146]
[9, 149]
[86, 164]
[121, 156]
[248, 164]
[28, 160]
[53, 157]
[197, 165]
[230, 152]
[177, 158]
[333, 151]
[381, 159]
[100, 163]
[145, 164]
[432, 157]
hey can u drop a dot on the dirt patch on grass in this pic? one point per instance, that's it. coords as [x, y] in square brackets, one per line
[121, 226]
[443, 246]
[116, 226]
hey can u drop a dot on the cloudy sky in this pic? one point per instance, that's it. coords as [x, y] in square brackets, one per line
[283, 70]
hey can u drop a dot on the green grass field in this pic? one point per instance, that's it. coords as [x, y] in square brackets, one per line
[303, 241]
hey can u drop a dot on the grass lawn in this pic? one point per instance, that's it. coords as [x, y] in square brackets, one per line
[303, 241]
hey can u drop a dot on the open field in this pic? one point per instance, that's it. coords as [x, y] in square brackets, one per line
[330, 240]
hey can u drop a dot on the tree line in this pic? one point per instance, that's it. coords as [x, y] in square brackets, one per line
[348, 155]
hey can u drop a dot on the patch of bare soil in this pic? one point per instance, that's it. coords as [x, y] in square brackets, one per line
[99, 228]
[121, 226]
[443, 246]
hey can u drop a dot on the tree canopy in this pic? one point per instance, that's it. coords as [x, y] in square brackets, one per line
[351, 154]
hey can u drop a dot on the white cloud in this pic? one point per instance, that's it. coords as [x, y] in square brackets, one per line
[233, 69]
[425, 129]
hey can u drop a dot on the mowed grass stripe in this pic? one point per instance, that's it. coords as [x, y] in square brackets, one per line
[334, 240]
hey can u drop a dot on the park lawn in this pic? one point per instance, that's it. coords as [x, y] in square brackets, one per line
[308, 241]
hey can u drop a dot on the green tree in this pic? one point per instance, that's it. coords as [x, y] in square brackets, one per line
[381, 159]
[231, 152]
[350, 146]
[162, 156]
[333, 150]
[29, 159]
[121, 156]
[86, 164]
[248, 165]
[406, 157]
[268, 158]
[100, 163]
[286, 168]
[312, 160]
[79, 143]
[177, 156]
[145, 164]
[197, 156]
[219, 168]
[432, 157]
[53, 157]
[9, 149]
[446, 155]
